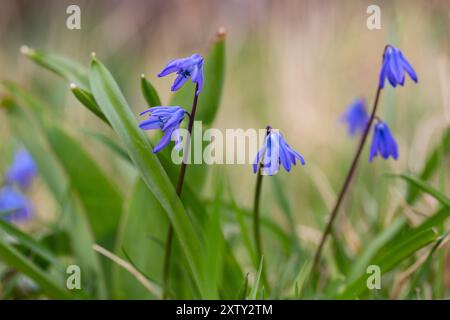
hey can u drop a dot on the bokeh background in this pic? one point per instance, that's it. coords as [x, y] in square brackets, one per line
[295, 65]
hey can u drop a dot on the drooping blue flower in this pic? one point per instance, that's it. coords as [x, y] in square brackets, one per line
[14, 206]
[189, 67]
[168, 119]
[274, 151]
[394, 67]
[383, 142]
[356, 117]
[23, 169]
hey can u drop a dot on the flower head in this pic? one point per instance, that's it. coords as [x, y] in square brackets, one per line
[14, 206]
[383, 142]
[23, 169]
[189, 67]
[168, 119]
[274, 151]
[394, 67]
[356, 117]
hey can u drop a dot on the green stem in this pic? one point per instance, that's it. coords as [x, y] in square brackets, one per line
[170, 231]
[256, 223]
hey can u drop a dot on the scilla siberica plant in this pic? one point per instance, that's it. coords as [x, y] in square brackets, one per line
[168, 119]
[274, 152]
[14, 205]
[394, 68]
[356, 117]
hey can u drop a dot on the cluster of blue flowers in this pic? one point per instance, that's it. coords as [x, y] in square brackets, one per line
[394, 68]
[275, 150]
[169, 118]
[14, 205]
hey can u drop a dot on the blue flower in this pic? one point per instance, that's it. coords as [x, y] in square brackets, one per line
[274, 151]
[356, 117]
[189, 67]
[14, 206]
[383, 142]
[394, 67]
[22, 170]
[168, 119]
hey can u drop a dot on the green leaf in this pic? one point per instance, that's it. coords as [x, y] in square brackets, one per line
[114, 106]
[400, 251]
[430, 166]
[215, 244]
[421, 274]
[374, 246]
[425, 187]
[62, 66]
[94, 275]
[30, 243]
[243, 227]
[149, 93]
[100, 198]
[435, 220]
[72, 72]
[87, 99]
[388, 260]
[243, 291]
[110, 143]
[14, 258]
[256, 285]
[144, 223]
[340, 256]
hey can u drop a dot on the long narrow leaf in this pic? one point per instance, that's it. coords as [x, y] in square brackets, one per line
[66, 68]
[425, 187]
[14, 258]
[114, 106]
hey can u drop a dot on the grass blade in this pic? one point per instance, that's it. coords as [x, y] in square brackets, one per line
[256, 285]
[62, 66]
[425, 187]
[149, 92]
[87, 99]
[430, 166]
[100, 197]
[14, 258]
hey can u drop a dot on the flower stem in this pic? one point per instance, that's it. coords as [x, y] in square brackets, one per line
[257, 224]
[346, 183]
[169, 236]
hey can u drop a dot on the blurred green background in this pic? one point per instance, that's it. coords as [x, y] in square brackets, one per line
[295, 65]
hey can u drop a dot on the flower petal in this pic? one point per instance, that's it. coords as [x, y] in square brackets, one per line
[408, 68]
[150, 124]
[164, 140]
[258, 158]
[178, 83]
